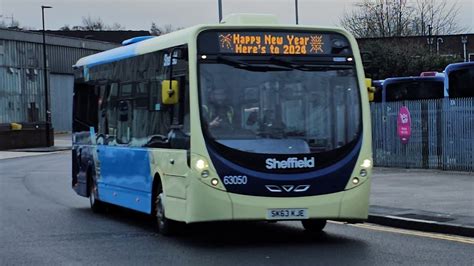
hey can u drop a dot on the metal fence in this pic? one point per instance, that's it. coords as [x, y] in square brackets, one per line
[442, 134]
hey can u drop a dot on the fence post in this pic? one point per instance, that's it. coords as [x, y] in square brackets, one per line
[425, 143]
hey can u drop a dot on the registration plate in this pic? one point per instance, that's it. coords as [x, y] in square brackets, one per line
[287, 214]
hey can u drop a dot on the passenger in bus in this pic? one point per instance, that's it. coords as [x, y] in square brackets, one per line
[219, 114]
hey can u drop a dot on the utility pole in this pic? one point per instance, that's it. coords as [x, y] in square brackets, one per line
[430, 38]
[464, 43]
[219, 5]
[45, 77]
[400, 18]
[296, 11]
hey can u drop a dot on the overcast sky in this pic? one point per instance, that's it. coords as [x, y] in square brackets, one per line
[139, 14]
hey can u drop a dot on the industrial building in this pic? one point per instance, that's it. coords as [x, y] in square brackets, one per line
[22, 86]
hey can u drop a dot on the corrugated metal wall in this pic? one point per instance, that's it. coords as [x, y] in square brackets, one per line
[61, 101]
[21, 75]
[30, 55]
[61, 58]
[21, 95]
[442, 135]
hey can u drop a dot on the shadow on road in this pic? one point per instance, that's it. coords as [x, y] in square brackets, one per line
[231, 234]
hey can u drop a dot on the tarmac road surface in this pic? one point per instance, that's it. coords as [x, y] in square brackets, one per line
[43, 222]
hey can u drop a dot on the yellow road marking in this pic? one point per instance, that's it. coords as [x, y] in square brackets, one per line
[460, 239]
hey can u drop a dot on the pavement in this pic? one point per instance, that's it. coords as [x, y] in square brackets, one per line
[426, 200]
[419, 199]
[62, 142]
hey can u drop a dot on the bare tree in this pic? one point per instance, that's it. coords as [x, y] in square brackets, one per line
[65, 28]
[115, 26]
[167, 28]
[440, 16]
[92, 24]
[155, 30]
[14, 24]
[388, 18]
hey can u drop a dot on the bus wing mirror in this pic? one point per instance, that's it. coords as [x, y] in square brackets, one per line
[370, 89]
[169, 91]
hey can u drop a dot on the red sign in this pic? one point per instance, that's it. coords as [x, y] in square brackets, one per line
[404, 124]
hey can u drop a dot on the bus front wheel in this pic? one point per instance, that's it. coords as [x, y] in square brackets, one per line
[164, 225]
[314, 225]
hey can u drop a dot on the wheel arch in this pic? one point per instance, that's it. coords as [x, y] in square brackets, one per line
[89, 176]
[157, 184]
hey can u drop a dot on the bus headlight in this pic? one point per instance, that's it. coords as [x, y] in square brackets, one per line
[201, 164]
[366, 164]
[363, 173]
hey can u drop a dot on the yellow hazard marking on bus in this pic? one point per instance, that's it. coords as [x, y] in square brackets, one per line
[460, 239]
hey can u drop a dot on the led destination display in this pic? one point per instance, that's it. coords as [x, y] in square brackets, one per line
[274, 43]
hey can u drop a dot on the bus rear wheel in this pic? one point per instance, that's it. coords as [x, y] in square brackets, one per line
[164, 225]
[314, 225]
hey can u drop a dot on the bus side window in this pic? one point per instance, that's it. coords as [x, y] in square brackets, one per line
[85, 111]
[125, 114]
[102, 115]
[140, 122]
[185, 105]
[180, 129]
[111, 113]
[159, 120]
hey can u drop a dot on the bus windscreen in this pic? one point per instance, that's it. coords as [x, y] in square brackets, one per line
[414, 90]
[461, 83]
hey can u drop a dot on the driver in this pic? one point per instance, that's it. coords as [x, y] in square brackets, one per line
[219, 113]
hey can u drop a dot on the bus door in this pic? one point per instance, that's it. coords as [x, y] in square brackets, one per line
[175, 160]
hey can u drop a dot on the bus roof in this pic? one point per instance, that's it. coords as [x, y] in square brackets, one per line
[456, 66]
[184, 36]
[407, 79]
[137, 48]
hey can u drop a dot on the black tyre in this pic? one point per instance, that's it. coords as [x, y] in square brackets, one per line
[314, 225]
[164, 225]
[97, 206]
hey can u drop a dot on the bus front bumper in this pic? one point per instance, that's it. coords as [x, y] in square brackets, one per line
[205, 203]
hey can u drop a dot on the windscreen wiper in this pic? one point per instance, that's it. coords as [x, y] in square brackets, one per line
[307, 66]
[326, 67]
[244, 65]
[283, 62]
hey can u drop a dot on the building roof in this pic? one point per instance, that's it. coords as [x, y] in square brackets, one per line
[36, 37]
[107, 36]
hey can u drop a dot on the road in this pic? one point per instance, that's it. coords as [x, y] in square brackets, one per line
[43, 222]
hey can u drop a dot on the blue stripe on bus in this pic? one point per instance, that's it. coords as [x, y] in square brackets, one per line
[125, 178]
[111, 55]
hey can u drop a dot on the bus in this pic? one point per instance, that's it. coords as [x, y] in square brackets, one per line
[378, 88]
[459, 80]
[411, 88]
[244, 120]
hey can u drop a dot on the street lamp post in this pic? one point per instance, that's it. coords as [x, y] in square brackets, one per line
[45, 77]
[219, 6]
[430, 39]
[296, 11]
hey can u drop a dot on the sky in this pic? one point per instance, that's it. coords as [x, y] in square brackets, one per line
[139, 14]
